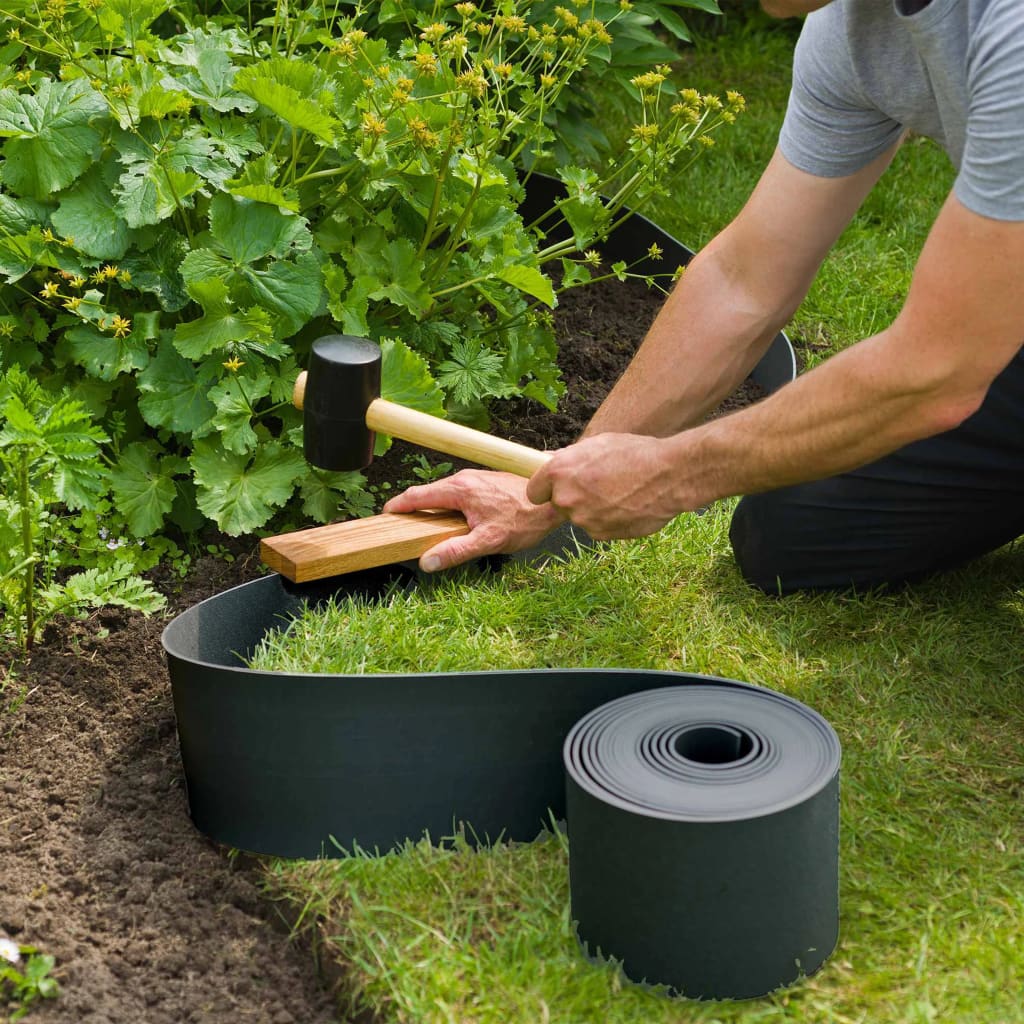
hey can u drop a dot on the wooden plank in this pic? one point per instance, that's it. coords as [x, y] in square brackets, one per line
[358, 544]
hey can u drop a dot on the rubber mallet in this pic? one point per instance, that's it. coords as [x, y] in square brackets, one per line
[339, 395]
[342, 409]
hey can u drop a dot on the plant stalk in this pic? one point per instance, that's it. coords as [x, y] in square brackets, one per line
[26, 549]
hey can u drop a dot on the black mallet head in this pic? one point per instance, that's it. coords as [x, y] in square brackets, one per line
[342, 380]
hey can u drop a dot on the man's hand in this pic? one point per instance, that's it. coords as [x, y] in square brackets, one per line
[501, 518]
[613, 485]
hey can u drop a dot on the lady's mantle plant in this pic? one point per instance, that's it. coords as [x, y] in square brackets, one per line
[186, 202]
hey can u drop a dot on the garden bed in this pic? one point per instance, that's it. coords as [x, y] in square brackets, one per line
[148, 920]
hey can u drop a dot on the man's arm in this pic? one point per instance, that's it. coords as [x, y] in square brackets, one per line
[723, 313]
[733, 299]
[962, 323]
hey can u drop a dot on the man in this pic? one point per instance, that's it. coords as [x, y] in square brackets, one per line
[898, 457]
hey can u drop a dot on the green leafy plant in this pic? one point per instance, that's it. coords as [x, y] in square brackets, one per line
[187, 201]
[24, 978]
[50, 466]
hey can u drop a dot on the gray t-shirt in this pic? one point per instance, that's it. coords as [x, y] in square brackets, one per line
[954, 71]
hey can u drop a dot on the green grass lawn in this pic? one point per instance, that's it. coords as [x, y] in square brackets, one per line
[924, 687]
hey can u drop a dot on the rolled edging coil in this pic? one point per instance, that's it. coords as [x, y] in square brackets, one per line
[704, 838]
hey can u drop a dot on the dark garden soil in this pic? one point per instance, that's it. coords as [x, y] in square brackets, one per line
[100, 865]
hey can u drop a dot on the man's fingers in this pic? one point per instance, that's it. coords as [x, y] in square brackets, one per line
[435, 495]
[452, 552]
[538, 487]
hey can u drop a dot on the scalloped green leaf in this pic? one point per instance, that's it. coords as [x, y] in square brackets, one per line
[221, 327]
[529, 280]
[103, 355]
[52, 137]
[143, 487]
[87, 214]
[286, 90]
[212, 82]
[235, 402]
[292, 289]
[249, 231]
[406, 378]
[174, 393]
[240, 493]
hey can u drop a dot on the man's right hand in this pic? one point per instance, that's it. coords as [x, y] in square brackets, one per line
[500, 516]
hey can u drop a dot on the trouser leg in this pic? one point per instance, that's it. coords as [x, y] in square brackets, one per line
[928, 507]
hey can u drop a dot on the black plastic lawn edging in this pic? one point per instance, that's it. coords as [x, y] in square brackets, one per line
[631, 242]
[702, 816]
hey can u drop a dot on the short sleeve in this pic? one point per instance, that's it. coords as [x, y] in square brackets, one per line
[991, 176]
[830, 130]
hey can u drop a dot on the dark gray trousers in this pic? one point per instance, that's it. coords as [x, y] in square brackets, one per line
[928, 507]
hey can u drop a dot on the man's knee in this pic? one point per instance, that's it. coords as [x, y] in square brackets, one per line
[759, 536]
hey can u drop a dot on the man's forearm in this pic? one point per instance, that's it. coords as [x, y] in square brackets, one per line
[708, 336]
[859, 405]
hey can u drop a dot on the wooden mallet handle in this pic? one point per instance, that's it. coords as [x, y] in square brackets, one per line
[444, 436]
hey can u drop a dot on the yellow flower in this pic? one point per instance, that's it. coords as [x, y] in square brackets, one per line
[511, 22]
[421, 133]
[73, 303]
[567, 17]
[48, 235]
[426, 63]
[472, 82]
[548, 81]
[109, 272]
[455, 43]
[432, 33]
[373, 125]
[122, 326]
[593, 257]
[233, 365]
[645, 132]
[655, 251]
[648, 80]
[50, 290]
